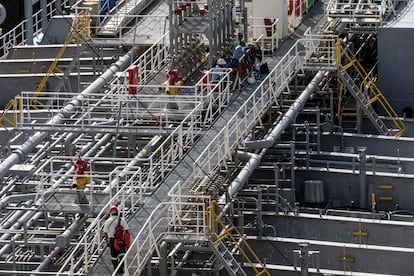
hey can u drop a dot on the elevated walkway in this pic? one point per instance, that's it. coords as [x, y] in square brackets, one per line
[121, 16]
[211, 150]
[361, 16]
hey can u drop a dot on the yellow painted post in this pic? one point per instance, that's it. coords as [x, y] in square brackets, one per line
[373, 203]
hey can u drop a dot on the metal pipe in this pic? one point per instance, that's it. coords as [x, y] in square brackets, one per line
[145, 152]
[244, 174]
[163, 259]
[62, 241]
[8, 188]
[13, 218]
[19, 154]
[289, 116]
[16, 198]
[266, 143]
[27, 215]
[18, 224]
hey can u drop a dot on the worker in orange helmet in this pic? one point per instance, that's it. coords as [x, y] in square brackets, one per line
[117, 237]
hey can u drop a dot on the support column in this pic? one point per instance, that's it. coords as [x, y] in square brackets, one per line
[304, 259]
[43, 14]
[362, 177]
[277, 202]
[58, 5]
[163, 260]
[28, 14]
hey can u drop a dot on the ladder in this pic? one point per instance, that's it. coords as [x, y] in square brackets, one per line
[230, 236]
[364, 103]
[372, 95]
[225, 256]
[80, 31]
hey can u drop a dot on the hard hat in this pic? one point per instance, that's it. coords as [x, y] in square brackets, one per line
[251, 80]
[113, 210]
[221, 61]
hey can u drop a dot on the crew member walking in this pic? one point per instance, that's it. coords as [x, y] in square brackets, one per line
[117, 237]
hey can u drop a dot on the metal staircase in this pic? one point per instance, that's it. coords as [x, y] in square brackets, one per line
[368, 98]
[122, 15]
[225, 256]
[230, 237]
[80, 31]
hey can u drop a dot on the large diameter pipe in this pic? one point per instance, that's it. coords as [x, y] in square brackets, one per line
[20, 153]
[266, 143]
[61, 242]
[289, 116]
[244, 175]
[63, 239]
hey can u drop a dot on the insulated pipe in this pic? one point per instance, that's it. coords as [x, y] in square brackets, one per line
[289, 116]
[19, 154]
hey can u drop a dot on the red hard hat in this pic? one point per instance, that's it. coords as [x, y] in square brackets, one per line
[113, 210]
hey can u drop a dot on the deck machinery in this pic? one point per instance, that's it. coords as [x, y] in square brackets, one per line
[305, 172]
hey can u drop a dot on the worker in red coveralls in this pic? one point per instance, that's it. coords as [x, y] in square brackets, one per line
[172, 78]
[80, 179]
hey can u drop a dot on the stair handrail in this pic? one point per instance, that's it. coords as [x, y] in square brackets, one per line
[213, 221]
[369, 83]
[80, 30]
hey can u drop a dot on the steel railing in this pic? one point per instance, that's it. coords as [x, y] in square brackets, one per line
[18, 35]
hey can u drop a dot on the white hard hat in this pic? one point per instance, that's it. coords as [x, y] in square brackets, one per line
[221, 61]
[251, 80]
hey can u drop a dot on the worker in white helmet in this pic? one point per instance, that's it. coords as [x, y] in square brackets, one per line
[219, 70]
